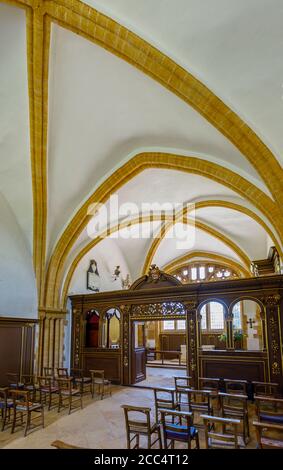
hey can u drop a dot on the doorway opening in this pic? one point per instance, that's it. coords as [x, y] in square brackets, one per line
[159, 352]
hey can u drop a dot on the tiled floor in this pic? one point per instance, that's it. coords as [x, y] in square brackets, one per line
[100, 425]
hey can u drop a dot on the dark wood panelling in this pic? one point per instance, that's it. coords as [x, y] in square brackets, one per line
[138, 365]
[108, 360]
[245, 366]
[16, 347]
[171, 342]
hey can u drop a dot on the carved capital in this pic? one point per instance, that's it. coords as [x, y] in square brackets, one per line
[271, 300]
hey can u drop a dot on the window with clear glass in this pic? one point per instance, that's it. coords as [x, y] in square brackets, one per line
[237, 316]
[203, 318]
[181, 324]
[216, 316]
[202, 272]
[169, 325]
[194, 273]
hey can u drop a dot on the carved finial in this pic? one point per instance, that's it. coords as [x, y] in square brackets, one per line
[154, 273]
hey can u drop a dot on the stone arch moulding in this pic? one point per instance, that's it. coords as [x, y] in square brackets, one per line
[92, 25]
[89, 246]
[182, 261]
[125, 173]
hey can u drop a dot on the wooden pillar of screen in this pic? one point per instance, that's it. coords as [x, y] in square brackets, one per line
[273, 305]
[125, 344]
[192, 341]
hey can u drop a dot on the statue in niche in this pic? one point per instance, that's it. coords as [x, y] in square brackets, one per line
[93, 279]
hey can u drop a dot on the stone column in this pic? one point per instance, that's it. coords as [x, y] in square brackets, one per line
[51, 338]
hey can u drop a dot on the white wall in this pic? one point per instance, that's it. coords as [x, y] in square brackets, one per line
[18, 295]
[107, 255]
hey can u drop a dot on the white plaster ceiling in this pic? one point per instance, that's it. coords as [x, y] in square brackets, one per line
[101, 111]
[234, 47]
[169, 250]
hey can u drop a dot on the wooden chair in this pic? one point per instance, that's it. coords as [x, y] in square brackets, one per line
[138, 423]
[30, 383]
[182, 382]
[23, 406]
[164, 398]
[6, 404]
[269, 410]
[265, 389]
[68, 393]
[62, 373]
[212, 385]
[47, 390]
[198, 401]
[49, 372]
[269, 436]
[183, 431]
[14, 381]
[64, 445]
[104, 385]
[216, 439]
[237, 387]
[84, 383]
[236, 406]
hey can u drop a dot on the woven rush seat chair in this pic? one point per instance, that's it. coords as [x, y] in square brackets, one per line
[237, 387]
[85, 383]
[236, 406]
[68, 393]
[47, 390]
[24, 407]
[6, 405]
[138, 423]
[98, 379]
[211, 385]
[164, 398]
[14, 381]
[220, 439]
[269, 410]
[181, 431]
[269, 436]
[265, 389]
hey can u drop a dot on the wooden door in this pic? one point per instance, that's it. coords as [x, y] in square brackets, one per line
[138, 352]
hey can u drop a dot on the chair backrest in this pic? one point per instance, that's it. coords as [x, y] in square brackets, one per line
[62, 372]
[207, 383]
[268, 389]
[182, 429]
[97, 373]
[269, 436]
[44, 381]
[14, 380]
[233, 402]
[28, 379]
[183, 381]
[21, 398]
[269, 409]
[199, 399]
[239, 387]
[64, 383]
[164, 397]
[77, 373]
[48, 372]
[137, 418]
[216, 439]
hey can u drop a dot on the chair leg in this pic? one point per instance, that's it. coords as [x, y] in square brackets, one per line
[14, 421]
[197, 441]
[27, 423]
[159, 438]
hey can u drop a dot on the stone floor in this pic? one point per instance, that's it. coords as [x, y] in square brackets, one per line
[160, 377]
[100, 425]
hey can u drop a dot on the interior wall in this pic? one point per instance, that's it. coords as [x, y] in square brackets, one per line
[18, 294]
[107, 256]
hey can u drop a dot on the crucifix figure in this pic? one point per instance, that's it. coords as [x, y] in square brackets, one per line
[250, 322]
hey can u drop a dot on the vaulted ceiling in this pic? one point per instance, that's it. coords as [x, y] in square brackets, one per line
[153, 102]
